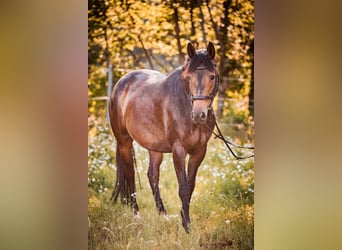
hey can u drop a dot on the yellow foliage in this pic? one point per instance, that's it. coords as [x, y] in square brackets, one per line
[94, 203]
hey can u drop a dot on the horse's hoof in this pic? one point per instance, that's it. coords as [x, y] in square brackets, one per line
[162, 212]
[185, 223]
[137, 215]
[187, 228]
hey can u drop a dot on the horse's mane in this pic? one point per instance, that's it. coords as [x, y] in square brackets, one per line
[201, 57]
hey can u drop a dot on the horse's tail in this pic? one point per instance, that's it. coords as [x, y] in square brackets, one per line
[121, 182]
[125, 181]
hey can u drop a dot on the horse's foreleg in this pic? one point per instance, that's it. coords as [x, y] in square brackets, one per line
[183, 191]
[153, 176]
[194, 162]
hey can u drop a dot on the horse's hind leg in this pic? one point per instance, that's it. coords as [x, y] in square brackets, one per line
[153, 176]
[125, 183]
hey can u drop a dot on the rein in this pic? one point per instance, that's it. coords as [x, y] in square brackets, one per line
[219, 135]
[227, 142]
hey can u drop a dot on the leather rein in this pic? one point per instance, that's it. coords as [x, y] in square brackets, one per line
[219, 134]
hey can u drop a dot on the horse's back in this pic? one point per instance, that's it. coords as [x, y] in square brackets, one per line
[136, 79]
[133, 82]
[135, 107]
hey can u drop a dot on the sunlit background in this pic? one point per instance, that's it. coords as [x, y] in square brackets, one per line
[127, 35]
[44, 111]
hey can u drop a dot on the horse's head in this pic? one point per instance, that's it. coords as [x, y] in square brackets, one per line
[201, 79]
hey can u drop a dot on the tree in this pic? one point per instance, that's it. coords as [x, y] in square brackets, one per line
[153, 34]
[234, 32]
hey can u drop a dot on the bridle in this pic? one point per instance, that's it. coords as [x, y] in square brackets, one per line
[219, 134]
[212, 94]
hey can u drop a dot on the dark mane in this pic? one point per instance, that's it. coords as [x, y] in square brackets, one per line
[201, 58]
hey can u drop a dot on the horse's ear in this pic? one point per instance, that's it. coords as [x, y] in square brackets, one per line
[211, 51]
[191, 50]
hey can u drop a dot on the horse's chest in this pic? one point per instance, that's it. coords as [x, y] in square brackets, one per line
[195, 139]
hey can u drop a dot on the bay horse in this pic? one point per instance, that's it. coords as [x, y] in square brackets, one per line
[164, 114]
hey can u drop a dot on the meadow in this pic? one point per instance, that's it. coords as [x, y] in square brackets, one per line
[221, 208]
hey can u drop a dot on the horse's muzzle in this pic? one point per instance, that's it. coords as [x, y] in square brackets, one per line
[199, 117]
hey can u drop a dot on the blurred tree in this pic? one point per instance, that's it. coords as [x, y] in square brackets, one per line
[153, 34]
[225, 66]
[251, 91]
[98, 52]
[174, 5]
[234, 32]
[98, 24]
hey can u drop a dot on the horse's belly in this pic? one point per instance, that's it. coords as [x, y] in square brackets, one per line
[163, 147]
[148, 131]
[151, 141]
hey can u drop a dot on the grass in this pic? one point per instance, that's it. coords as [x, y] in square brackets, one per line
[221, 209]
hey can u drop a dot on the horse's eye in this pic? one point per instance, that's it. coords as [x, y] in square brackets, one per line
[212, 77]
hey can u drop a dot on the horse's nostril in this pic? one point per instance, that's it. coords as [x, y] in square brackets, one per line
[199, 117]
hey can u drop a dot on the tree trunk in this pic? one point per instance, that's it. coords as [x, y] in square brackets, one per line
[193, 30]
[214, 25]
[202, 23]
[251, 91]
[221, 96]
[177, 30]
[109, 72]
[224, 68]
[109, 88]
[146, 52]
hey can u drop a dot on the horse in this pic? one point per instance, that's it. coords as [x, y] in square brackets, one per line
[164, 114]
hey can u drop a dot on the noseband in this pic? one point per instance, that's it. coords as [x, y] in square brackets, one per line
[212, 94]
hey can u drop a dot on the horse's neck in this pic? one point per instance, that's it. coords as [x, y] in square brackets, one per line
[176, 94]
[174, 84]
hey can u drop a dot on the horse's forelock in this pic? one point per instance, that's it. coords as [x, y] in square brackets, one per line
[201, 57]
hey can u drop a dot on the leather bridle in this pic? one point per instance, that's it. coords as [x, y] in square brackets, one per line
[212, 94]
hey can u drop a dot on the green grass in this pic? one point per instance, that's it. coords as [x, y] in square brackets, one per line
[221, 209]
